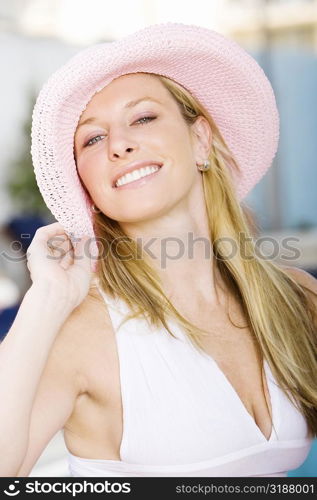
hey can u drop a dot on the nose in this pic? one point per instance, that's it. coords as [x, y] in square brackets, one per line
[119, 146]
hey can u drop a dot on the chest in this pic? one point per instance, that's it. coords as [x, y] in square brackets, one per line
[229, 345]
[200, 406]
[232, 347]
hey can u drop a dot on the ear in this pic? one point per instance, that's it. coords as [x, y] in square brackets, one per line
[201, 138]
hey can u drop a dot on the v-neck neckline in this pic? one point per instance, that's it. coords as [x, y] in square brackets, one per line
[267, 373]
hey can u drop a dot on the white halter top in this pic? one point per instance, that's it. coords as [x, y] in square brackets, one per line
[182, 416]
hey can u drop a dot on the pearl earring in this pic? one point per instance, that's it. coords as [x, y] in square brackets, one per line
[204, 166]
[95, 209]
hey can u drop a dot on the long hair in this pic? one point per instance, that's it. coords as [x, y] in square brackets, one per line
[278, 310]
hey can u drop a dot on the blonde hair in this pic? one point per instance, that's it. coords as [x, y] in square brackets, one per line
[278, 310]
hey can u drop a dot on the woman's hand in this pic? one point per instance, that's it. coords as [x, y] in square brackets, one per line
[64, 268]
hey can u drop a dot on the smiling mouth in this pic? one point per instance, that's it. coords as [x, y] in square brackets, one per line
[138, 181]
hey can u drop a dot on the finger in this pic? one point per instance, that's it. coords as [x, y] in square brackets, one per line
[58, 240]
[60, 244]
[68, 259]
[82, 253]
[44, 233]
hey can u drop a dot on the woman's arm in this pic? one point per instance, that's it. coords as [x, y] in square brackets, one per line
[32, 406]
[23, 355]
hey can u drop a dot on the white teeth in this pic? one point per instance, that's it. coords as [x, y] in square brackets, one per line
[136, 174]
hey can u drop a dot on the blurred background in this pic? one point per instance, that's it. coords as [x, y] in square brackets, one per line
[37, 36]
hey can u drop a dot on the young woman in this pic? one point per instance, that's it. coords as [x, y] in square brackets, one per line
[179, 350]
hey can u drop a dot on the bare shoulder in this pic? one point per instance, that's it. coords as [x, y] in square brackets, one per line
[303, 278]
[91, 309]
[307, 281]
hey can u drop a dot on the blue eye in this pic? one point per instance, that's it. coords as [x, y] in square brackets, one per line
[145, 118]
[93, 140]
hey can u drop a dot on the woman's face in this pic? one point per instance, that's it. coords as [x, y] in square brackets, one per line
[115, 132]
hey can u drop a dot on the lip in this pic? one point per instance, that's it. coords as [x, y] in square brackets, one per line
[134, 166]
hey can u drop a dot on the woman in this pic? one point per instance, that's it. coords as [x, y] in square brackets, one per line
[179, 357]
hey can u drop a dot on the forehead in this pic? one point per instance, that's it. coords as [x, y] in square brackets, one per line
[129, 87]
[135, 79]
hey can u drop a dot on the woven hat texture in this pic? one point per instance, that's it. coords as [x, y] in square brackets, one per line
[226, 80]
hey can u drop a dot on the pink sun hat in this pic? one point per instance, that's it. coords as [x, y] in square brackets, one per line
[225, 79]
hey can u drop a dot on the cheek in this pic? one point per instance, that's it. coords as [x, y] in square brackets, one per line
[181, 151]
[178, 141]
[87, 169]
[87, 182]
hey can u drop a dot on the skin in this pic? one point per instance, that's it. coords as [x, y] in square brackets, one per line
[113, 138]
[71, 380]
[146, 212]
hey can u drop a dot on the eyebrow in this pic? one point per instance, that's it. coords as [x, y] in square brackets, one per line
[128, 105]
